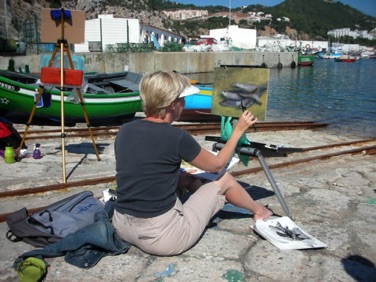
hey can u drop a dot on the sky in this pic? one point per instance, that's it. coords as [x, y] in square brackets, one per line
[366, 6]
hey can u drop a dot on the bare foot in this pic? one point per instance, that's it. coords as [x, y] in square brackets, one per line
[262, 213]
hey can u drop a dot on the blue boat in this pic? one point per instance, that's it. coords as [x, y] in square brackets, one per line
[200, 101]
[328, 55]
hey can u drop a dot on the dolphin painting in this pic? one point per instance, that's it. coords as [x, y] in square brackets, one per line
[243, 95]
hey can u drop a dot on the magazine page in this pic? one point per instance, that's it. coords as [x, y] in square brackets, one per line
[286, 235]
[208, 175]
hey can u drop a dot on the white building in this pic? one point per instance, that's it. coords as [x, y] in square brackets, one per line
[340, 32]
[186, 14]
[106, 32]
[346, 48]
[240, 37]
[285, 19]
[348, 32]
[255, 19]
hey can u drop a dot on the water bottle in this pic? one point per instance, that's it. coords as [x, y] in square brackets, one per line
[36, 152]
[9, 155]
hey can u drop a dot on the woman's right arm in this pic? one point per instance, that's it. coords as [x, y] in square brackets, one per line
[215, 163]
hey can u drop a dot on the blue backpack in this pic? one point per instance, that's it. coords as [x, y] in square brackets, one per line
[51, 223]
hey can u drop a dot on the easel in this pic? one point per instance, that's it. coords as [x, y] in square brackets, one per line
[61, 44]
[244, 148]
[253, 152]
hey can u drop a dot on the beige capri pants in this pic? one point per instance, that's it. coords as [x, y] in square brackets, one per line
[176, 230]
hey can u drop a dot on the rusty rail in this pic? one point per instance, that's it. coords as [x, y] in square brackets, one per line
[349, 143]
[191, 128]
[369, 150]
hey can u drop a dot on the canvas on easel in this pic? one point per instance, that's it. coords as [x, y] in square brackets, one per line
[74, 27]
[239, 88]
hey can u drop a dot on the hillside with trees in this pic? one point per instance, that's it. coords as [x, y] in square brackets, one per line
[309, 19]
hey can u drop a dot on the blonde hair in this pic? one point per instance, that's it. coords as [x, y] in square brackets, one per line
[159, 89]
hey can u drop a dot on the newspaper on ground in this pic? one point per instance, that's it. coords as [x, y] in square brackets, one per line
[286, 235]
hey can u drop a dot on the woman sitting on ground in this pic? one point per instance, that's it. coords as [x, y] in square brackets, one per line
[149, 151]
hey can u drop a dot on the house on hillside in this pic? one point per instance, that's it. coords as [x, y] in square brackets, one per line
[186, 14]
[285, 19]
[340, 32]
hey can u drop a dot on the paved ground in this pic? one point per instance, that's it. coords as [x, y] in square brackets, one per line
[332, 199]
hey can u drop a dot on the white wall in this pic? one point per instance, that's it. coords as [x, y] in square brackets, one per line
[114, 30]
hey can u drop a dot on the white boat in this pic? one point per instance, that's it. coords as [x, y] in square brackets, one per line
[197, 48]
[221, 47]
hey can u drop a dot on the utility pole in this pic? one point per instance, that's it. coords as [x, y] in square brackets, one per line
[229, 13]
[6, 19]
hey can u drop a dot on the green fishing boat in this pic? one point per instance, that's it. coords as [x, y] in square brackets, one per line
[108, 99]
[306, 59]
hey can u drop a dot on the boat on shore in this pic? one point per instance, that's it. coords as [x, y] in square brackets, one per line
[108, 99]
[200, 101]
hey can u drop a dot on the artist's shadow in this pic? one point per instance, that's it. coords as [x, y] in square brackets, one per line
[359, 268]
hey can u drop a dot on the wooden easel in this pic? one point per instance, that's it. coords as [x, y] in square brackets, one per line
[62, 45]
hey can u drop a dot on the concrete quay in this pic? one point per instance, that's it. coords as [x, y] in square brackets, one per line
[332, 199]
[184, 62]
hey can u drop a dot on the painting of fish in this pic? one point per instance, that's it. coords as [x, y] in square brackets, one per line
[237, 89]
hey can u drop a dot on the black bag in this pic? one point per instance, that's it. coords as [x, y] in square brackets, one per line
[53, 222]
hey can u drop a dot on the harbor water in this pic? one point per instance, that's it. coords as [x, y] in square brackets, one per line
[340, 94]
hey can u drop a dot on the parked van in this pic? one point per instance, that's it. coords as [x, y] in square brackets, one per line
[207, 41]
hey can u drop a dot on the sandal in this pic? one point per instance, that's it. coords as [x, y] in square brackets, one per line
[273, 213]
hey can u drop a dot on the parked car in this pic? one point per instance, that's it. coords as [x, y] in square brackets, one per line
[207, 41]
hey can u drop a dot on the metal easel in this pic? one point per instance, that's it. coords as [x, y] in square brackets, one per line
[253, 152]
[61, 44]
[248, 150]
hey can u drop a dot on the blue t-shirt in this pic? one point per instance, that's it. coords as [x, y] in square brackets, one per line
[148, 157]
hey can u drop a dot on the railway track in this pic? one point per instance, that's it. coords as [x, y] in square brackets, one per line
[307, 155]
[193, 128]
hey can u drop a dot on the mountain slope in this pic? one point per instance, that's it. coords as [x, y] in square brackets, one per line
[21, 12]
[316, 17]
[310, 19]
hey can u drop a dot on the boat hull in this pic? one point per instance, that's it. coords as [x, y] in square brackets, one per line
[202, 100]
[305, 60]
[17, 101]
[350, 60]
